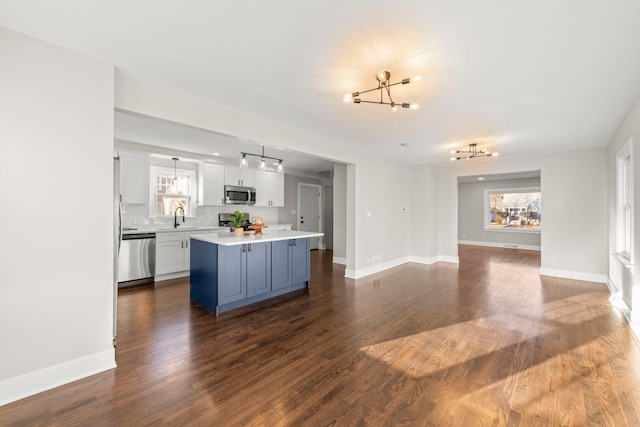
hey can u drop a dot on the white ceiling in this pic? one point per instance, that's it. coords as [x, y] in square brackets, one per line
[516, 77]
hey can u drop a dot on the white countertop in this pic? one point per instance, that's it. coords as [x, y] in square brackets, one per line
[165, 229]
[171, 229]
[228, 239]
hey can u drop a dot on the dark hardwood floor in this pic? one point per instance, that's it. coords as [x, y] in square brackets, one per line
[488, 342]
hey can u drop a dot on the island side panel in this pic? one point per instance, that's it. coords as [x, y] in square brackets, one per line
[232, 273]
[281, 264]
[301, 261]
[258, 269]
[204, 274]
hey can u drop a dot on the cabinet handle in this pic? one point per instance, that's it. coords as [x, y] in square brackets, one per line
[187, 244]
[295, 242]
[243, 248]
[182, 244]
[249, 247]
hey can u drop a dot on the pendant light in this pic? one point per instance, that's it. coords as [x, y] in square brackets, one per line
[263, 161]
[175, 174]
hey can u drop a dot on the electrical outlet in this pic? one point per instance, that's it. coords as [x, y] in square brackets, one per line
[376, 259]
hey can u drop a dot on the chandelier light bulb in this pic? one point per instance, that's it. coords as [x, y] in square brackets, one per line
[382, 76]
[416, 78]
[414, 106]
[347, 98]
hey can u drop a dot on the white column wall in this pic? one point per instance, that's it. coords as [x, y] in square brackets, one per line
[340, 213]
[56, 261]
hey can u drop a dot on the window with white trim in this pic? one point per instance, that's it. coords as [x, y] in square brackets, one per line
[513, 209]
[172, 189]
[624, 184]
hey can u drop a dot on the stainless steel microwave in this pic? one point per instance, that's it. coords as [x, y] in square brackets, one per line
[234, 195]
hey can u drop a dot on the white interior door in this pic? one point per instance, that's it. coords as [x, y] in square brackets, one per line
[309, 210]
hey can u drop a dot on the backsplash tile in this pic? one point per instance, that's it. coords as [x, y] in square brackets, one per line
[137, 216]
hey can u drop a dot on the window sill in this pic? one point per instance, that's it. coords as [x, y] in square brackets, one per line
[513, 230]
[626, 262]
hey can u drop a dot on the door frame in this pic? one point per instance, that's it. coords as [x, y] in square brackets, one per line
[321, 244]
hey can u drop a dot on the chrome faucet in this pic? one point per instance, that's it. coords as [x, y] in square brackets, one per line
[175, 216]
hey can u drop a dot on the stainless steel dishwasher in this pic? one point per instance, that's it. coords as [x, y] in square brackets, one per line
[137, 259]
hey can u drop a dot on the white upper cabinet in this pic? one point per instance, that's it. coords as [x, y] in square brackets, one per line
[212, 185]
[269, 189]
[134, 177]
[234, 175]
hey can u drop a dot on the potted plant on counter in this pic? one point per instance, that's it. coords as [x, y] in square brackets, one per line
[236, 222]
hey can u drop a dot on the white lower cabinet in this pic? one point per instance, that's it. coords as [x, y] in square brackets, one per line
[173, 251]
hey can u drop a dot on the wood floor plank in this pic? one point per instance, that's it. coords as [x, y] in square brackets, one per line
[488, 342]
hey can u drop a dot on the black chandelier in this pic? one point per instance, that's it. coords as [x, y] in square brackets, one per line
[263, 164]
[472, 152]
[384, 86]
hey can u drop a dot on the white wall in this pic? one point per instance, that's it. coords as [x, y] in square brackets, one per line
[381, 216]
[471, 214]
[291, 199]
[573, 244]
[624, 279]
[424, 216]
[56, 292]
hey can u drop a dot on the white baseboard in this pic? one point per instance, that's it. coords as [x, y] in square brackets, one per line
[170, 276]
[500, 245]
[21, 386]
[363, 272]
[433, 260]
[616, 301]
[339, 260]
[575, 275]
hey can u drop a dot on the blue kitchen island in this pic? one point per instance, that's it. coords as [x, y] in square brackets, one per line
[229, 272]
